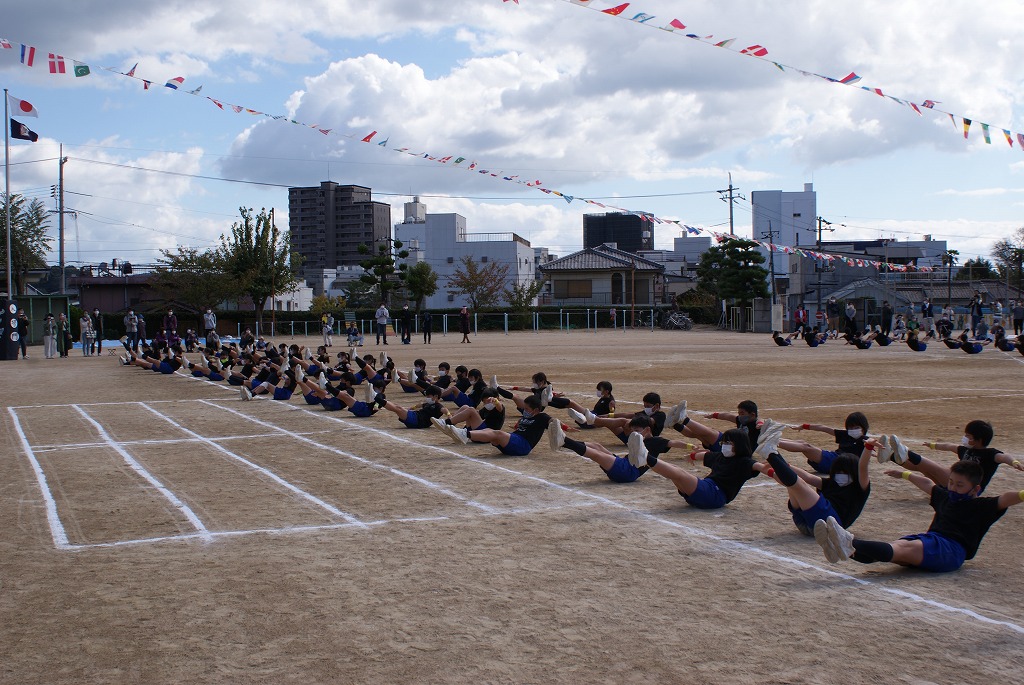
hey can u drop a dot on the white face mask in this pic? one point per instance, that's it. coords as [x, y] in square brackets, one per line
[429, 401]
[842, 479]
[728, 451]
[441, 372]
[534, 386]
[488, 405]
[965, 441]
[649, 411]
[527, 413]
[856, 433]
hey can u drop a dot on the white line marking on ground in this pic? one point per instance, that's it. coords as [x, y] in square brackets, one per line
[169, 441]
[57, 532]
[362, 460]
[259, 469]
[148, 477]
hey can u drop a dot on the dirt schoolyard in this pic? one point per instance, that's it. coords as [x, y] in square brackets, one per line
[157, 529]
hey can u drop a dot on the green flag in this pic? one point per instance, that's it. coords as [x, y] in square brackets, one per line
[81, 69]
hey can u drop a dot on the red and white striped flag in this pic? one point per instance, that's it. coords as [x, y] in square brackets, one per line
[28, 55]
[57, 64]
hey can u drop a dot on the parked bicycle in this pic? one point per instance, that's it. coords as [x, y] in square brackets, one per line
[677, 321]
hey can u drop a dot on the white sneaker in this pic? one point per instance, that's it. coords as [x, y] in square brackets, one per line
[383, 360]
[307, 354]
[768, 440]
[442, 425]
[411, 376]
[839, 538]
[322, 381]
[883, 450]
[637, 450]
[576, 416]
[202, 361]
[556, 435]
[245, 393]
[821, 537]
[899, 450]
[546, 395]
[676, 414]
[459, 435]
[493, 384]
[300, 374]
[286, 366]
[368, 393]
[591, 417]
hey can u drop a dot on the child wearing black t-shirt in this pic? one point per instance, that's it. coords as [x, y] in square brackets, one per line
[619, 425]
[745, 419]
[961, 520]
[973, 447]
[849, 440]
[519, 442]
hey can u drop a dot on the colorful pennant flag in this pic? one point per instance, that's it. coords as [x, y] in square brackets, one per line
[81, 69]
[28, 55]
[131, 72]
[56, 64]
[616, 11]
[174, 82]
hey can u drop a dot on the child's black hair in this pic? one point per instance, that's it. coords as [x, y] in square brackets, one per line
[533, 402]
[748, 406]
[739, 440]
[971, 470]
[652, 398]
[981, 431]
[605, 386]
[857, 419]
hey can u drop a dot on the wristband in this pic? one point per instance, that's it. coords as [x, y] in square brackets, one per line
[693, 456]
[1021, 495]
[1015, 462]
[905, 475]
[805, 426]
[770, 472]
[930, 445]
[714, 415]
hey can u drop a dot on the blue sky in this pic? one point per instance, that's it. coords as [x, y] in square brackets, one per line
[592, 105]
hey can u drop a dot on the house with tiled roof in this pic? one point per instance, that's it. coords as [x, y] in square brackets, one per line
[603, 276]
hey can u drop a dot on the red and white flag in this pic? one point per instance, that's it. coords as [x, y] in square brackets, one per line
[5, 44]
[57, 64]
[28, 55]
[22, 107]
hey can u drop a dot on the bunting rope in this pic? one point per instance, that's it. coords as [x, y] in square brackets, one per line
[57, 66]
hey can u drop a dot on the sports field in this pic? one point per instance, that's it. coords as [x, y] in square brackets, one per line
[156, 529]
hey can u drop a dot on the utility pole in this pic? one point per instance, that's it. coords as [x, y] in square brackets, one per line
[273, 276]
[730, 198]
[60, 219]
[770, 235]
[817, 267]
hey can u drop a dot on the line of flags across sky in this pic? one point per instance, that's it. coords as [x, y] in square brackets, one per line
[57, 65]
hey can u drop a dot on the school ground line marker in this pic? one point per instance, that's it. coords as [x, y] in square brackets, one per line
[367, 462]
[57, 532]
[295, 490]
[185, 510]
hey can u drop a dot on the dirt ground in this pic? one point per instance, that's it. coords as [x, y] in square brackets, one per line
[158, 530]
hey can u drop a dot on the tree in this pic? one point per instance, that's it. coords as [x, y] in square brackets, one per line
[360, 295]
[977, 269]
[257, 256]
[1009, 254]
[520, 297]
[325, 304]
[949, 259]
[381, 271]
[29, 242]
[731, 271]
[421, 282]
[482, 287]
[194, 278]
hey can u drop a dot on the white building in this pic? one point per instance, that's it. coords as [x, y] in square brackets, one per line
[442, 241]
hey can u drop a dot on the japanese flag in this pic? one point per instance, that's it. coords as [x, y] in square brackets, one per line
[22, 107]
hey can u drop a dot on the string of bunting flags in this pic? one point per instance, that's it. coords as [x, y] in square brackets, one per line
[57, 66]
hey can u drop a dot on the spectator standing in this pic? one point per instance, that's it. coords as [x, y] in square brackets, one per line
[976, 311]
[928, 318]
[23, 327]
[49, 336]
[851, 318]
[97, 324]
[170, 327]
[64, 338]
[997, 312]
[131, 329]
[381, 316]
[209, 322]
[464, 324]
[1018, 317]
[406, 325]
[141, 338]
[86, 334]
[328, 329]
[832, 313]
[886, 317]
[427, 324]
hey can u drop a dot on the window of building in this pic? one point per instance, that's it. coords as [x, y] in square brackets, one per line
[580, 288]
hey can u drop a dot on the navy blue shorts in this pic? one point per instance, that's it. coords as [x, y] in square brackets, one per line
[623, 437]
[517, 446]
[282, 394]
[806, 518]
[410, 388]
[464, 400]
[198, 374]
[481, 427]
[940, 553]
[313, 370]
[707, 495]
[361, 409]
[972, 348]
[311, 398]
[716, 446]
[332, 404]
[235, 380]
[827, 457]
[622, 471]
[165, 368]
[412, 419]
